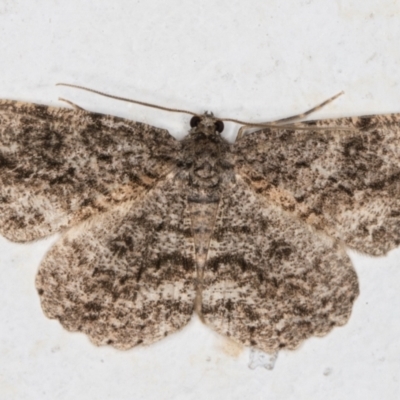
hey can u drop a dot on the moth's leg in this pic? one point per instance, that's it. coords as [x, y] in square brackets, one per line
[290, 119]
[71, 104]
[308, 112]
[241, 131]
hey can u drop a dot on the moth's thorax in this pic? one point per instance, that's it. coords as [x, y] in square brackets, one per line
[204, 155]
[207, 156]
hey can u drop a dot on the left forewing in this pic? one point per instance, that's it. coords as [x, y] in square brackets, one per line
[343, 182]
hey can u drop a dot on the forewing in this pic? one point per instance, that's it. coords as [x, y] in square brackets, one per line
[126, 277]
[270, 280]
[60, 166]
[345, 183]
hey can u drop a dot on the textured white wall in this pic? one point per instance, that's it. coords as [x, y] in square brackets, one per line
[254, 59]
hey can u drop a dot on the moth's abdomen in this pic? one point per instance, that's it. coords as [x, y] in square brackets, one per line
[202, 215]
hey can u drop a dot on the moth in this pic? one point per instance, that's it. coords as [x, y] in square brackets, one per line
[251, 236]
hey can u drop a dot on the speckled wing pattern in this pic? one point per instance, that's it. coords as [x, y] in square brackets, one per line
[127, 277]
[61, 166]
[271, 281]
[344, 183]
[249, 235]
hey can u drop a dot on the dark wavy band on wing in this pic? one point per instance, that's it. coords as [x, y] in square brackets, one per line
[270, 281]
[128, 276]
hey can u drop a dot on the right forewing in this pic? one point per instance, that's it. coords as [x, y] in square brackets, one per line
[60, 166]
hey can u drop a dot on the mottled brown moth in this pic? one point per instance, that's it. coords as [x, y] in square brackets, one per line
[249, 235]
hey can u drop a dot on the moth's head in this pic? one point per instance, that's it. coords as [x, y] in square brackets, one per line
[206, 124]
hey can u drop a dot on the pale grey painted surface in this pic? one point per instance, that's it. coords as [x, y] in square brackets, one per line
[254, 59]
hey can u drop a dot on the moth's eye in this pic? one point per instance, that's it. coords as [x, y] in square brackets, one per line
[195, 121]
[219, 126]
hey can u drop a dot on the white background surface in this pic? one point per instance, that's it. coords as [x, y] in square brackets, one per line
[254, 59]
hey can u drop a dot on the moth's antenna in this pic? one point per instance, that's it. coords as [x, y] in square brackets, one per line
[272, 125]
[73, 105]
[289, 119]
[142, 103]
[308, 112]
